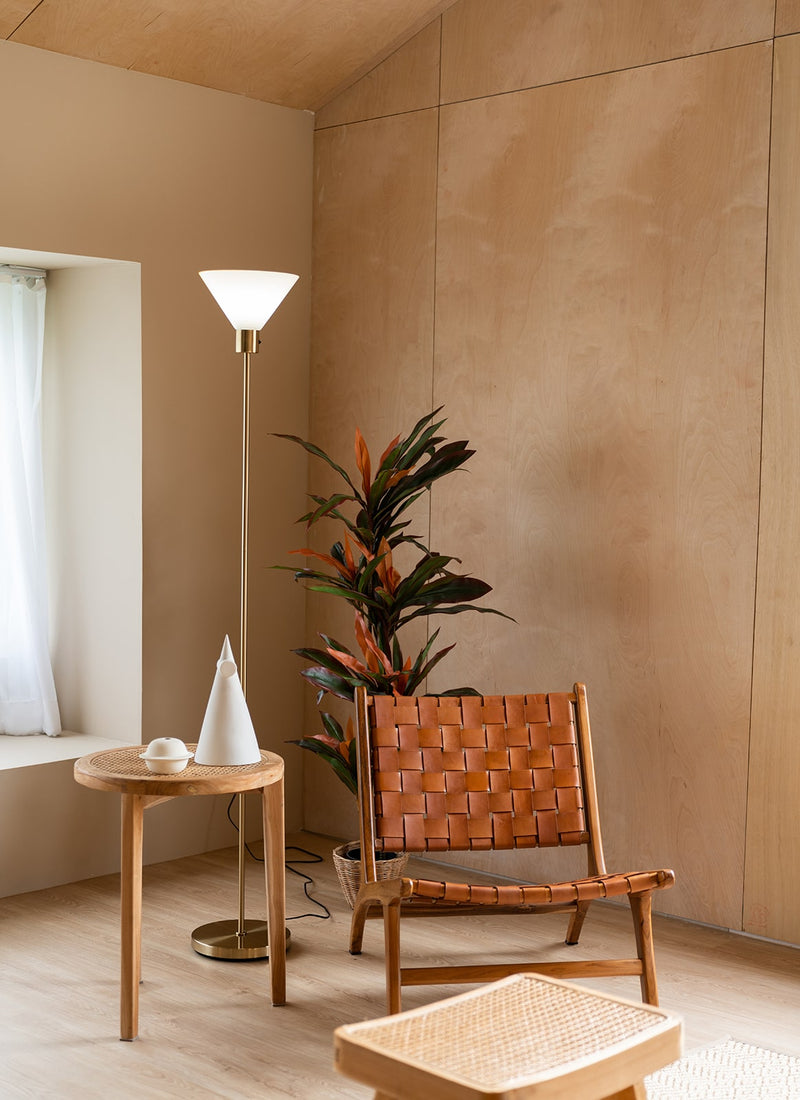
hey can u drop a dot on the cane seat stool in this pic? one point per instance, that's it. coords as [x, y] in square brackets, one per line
[525, 1037]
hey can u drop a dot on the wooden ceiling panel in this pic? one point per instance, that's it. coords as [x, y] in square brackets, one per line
[296, 53]
[12, 13]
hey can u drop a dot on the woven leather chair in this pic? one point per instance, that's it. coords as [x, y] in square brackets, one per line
[471, 774]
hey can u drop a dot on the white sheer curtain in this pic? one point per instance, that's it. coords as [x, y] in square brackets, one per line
[27, 692]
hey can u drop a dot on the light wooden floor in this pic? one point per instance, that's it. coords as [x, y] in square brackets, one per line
[207, 1028]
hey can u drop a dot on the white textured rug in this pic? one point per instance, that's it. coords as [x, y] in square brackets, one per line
[728, 1070]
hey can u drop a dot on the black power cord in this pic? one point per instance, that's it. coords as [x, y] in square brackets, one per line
[307, 879]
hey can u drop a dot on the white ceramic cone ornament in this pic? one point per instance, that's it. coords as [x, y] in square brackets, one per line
[227, 735]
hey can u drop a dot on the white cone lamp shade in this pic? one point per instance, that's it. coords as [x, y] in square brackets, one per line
[227, 736]
[248, 298]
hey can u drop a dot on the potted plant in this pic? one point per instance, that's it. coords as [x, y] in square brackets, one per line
[360, 569]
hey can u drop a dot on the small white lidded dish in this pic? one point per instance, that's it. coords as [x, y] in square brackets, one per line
[166, 755]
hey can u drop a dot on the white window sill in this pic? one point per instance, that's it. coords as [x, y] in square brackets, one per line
[27, 752]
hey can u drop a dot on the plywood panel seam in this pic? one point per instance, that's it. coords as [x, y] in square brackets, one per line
[432, 392]
[441, 59]
[22, 22]
[602, 72]
[771, 838]
[373, 118]
[748, 771]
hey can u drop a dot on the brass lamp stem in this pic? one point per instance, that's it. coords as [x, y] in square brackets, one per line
[247, 343]
[240, 939]
[243, 591]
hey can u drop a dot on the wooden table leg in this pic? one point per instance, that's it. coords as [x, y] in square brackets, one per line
[274, 852]
[131, 914]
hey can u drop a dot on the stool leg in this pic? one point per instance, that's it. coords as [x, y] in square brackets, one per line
[636, 1091]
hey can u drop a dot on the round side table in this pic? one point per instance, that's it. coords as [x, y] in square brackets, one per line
[121, 771]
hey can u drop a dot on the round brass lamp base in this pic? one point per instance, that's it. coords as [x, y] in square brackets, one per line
[221, 940]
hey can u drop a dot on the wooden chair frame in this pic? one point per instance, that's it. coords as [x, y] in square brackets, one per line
[407, 896]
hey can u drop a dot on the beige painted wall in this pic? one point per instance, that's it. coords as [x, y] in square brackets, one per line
[103, 162]
[576, 224]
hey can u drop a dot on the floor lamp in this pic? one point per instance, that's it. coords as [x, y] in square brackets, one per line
[248, 299]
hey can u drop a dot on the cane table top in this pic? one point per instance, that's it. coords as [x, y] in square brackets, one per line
[122, 770]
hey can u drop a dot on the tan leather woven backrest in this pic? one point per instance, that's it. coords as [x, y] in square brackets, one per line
[476, 773]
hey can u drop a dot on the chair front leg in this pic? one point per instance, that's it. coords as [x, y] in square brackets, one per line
[391, 939]
[641, 911]
[359, 919]
[386, 892]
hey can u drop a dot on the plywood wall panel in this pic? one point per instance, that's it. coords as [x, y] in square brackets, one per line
[772, 887]
[787, 16]
[372, 314]
[599, 313]
[491, 46]
[372, 334]
[406, 81]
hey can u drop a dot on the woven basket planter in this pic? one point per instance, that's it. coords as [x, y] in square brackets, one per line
[348, 868]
